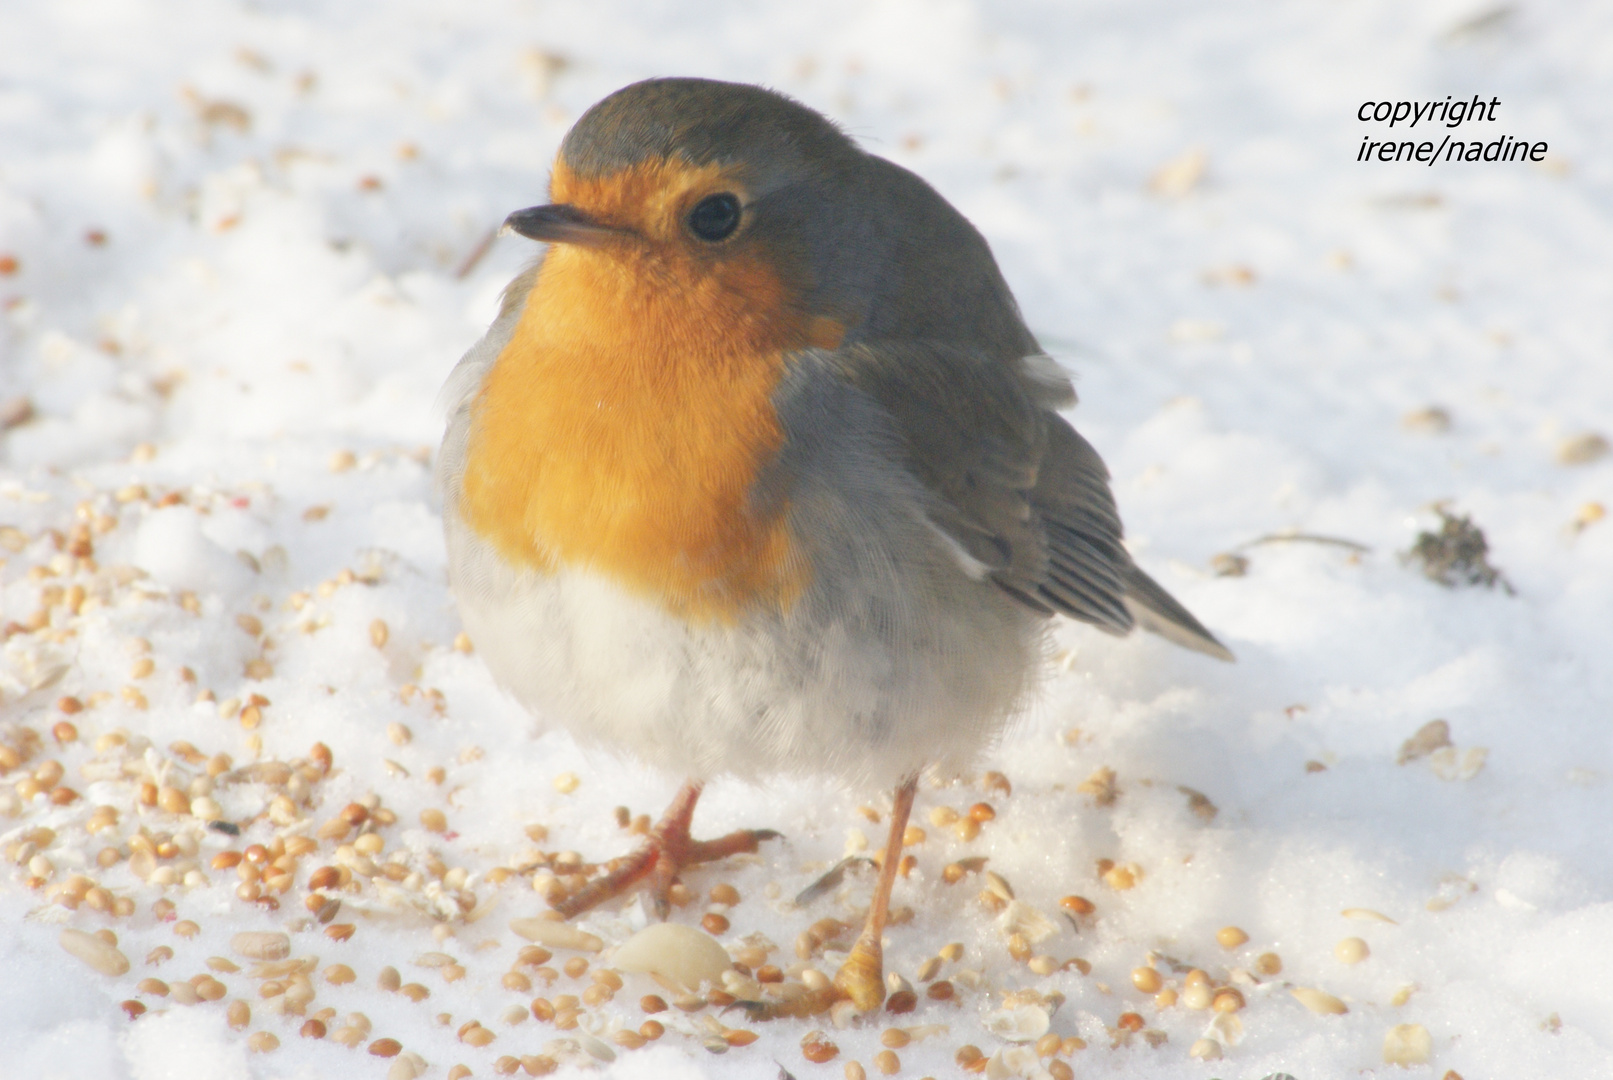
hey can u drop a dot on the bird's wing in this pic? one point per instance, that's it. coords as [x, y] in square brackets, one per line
[1019, 491]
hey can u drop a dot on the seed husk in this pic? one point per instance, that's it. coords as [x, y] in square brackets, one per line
[1367, 914]
[559, 935]
[1319, 1002]
[261, 945]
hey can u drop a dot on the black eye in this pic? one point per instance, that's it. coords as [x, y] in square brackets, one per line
[715, 217]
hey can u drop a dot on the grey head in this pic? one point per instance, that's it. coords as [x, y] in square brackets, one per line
[867, 243]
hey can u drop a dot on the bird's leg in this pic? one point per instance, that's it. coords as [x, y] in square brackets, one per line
[862, 977]
[666, 851]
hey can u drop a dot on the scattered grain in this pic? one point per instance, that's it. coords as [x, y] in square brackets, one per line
[99, 954]
[261, 945]
[816, 1047]
[1407, 1045]
[1351, 950]
[1319, 1002]
[1230, 937]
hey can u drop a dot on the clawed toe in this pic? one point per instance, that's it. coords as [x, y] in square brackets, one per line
[662, 857]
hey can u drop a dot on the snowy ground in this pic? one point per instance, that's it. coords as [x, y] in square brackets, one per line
[230, 244]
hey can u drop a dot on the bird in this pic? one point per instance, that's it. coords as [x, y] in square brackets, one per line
[758, 471]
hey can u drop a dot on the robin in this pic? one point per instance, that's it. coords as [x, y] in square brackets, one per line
[759, 471]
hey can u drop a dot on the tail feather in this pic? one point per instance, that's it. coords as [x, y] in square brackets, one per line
[1158, 612]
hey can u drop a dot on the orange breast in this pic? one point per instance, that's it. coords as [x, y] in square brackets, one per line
[622, 427]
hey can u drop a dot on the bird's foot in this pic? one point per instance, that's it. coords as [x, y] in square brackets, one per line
[664, 854]
[861, 979]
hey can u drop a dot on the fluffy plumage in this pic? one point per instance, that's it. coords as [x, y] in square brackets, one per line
[928, 506]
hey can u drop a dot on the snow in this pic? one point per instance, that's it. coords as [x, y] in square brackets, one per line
[238, 230]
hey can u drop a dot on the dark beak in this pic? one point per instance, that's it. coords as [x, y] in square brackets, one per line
[559, 224]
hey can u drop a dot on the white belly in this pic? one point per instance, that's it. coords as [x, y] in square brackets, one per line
[865, 681]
